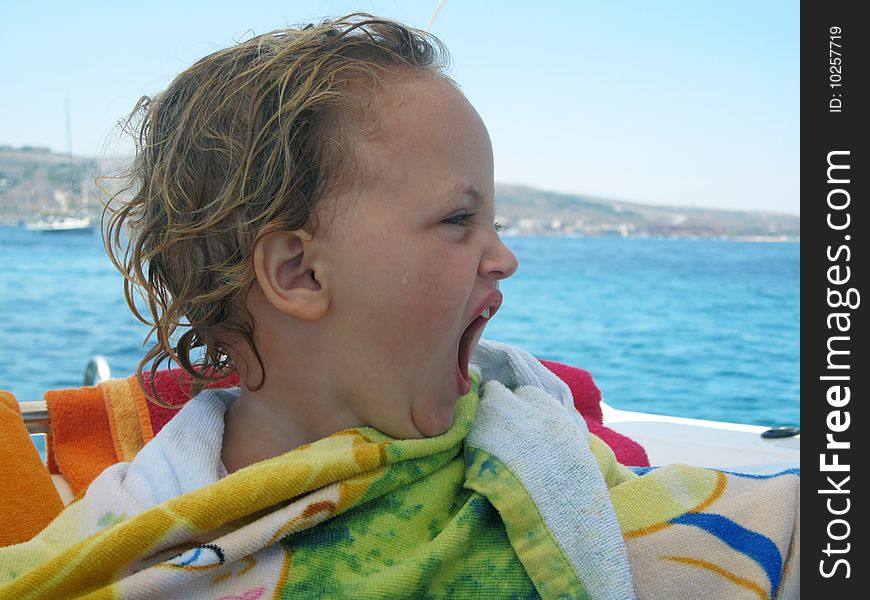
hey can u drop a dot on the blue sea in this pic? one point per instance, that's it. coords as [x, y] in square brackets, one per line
[706, 329]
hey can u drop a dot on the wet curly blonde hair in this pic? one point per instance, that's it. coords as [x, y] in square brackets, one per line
[248, 139]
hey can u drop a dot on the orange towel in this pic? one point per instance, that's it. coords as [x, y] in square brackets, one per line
[32, 502]
[96, 427]
[129, 419]
[93, 428]
[80, 443]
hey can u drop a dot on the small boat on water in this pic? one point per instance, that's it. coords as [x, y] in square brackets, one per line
[55, 223]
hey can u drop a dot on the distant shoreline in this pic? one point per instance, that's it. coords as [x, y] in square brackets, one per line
[36, 182]
[738, 238]
[8, 222]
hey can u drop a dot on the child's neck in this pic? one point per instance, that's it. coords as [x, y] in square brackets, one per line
[261, 425]
[249, 437]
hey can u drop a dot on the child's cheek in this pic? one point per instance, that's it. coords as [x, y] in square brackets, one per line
[447, 294]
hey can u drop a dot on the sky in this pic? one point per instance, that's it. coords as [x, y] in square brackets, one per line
[679, 103]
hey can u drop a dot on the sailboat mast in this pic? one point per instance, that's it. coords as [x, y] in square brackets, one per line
[68, 133]
[434, 15]
[69, 154]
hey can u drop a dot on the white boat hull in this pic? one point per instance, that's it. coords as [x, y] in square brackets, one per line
[61, 224]
[713, 444]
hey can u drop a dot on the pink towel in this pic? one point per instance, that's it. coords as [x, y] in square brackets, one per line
[174, 387]
[587, 400]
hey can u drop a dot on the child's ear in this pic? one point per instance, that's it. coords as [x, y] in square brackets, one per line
[284, 266]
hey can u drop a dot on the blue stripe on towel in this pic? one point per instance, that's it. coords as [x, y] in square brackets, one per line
[758, 547]
[793, 471]
[192, 559]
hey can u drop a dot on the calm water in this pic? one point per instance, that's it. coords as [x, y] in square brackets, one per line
[705, 329]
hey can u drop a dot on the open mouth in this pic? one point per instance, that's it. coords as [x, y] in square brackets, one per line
[466, 343]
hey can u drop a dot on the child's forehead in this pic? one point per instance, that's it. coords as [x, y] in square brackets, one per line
[400, 106]
[423, 145]
[419, 118]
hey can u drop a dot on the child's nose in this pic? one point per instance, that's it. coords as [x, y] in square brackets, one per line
[500, 262]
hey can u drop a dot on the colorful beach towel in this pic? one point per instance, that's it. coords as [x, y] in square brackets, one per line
[96, 427]
[516, 500]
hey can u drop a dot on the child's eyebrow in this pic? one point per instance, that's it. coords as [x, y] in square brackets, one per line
[462, 188]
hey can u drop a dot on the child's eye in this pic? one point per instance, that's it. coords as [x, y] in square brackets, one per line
[464, 217]
[459, 219]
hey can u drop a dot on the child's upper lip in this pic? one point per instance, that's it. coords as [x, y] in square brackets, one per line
[493, 300]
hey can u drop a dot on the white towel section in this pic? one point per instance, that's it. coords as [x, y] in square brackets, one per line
[527, 420]
[184, 456]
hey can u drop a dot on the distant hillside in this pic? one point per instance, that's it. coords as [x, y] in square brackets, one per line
[537, 211]
[35, 180]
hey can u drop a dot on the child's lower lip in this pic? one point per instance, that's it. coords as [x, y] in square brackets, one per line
[464, 384]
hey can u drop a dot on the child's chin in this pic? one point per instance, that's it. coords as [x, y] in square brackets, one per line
[438, 421]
